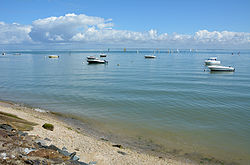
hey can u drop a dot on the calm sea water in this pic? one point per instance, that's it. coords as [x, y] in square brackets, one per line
[170, 99]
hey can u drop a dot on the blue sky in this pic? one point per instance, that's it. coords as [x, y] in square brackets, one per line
[184, 17]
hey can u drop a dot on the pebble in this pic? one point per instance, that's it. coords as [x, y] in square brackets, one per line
[120, 152]
[92, 162]
[64, 149]
[42, 142]
[47, 139]
[3, 156]
[28, 150]
[75, 158]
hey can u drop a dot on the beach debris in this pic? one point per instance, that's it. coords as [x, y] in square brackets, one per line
[104, 139]
[117, 145]
[120, 152]
[48, 126]
[40, 110]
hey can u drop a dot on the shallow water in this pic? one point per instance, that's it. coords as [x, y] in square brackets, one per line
[170, 99]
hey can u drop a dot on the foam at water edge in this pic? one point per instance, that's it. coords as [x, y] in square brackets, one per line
[40, 110]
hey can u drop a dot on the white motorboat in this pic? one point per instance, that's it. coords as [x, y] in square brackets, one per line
[53, 56]
[96, 61]
[221, 68]
[212, 61]
[91, 57]
[103, 55]
[149, 56]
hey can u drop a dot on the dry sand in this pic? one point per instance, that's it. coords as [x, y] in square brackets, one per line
[88, 148]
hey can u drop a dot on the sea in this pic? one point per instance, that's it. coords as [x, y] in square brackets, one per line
[173, 99]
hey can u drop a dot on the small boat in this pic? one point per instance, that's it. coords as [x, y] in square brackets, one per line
[91, 57]
[212, 61]
[221, 68]
[53, 56]
[103, 55]
[3, 54]
[149, 56]
[96, 61]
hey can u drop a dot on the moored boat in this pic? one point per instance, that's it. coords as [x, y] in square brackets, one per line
[96, 61]
[221, 68]
[103, 55]
[212, 61]
[149, 56]
[53, 56]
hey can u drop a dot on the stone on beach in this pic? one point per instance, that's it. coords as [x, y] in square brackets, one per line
[48, 126]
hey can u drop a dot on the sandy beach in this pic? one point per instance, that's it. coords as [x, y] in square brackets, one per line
[88, 148]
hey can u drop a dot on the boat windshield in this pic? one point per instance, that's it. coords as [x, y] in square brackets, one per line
[212, 58]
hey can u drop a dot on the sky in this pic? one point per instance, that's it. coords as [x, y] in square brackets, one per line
[76, 24]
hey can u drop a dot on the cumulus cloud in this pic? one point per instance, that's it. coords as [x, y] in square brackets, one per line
[63, 28]
[72, 28]
[224, 37]
[14, 33]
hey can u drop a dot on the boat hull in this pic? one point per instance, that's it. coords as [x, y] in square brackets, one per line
[53, 56]
[221, 68]
[149, 56]
[97, 61]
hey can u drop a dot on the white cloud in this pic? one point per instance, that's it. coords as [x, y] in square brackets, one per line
[14, 33]
[111, 35]
[224, 37]
[72, 29]
[63, 28]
